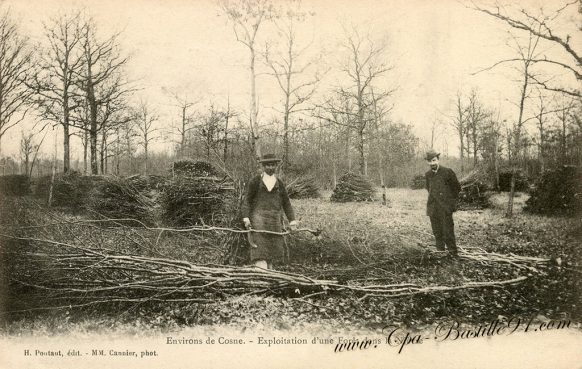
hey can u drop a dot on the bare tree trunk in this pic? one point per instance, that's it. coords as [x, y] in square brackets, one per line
[92, 127]
[85, 147]
[496, 165]
[183, 132]
[517, 143]
[102, 151]
[348, 156]
[334, 175]
[475, 146]
[66, 142]
[226, 119]
[145, 166]
[381, 170]
[462, 153]
[254, 112]
[54, 172]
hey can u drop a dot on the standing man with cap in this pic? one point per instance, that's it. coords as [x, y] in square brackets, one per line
[443, 191]
[265, 202]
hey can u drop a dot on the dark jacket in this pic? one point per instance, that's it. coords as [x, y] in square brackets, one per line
[258, 196]
[443, 190]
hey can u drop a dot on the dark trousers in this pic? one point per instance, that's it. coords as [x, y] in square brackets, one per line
[443, 229]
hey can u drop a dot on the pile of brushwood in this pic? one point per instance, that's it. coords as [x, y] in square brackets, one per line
[558, 192]
[67, 190]
[191, 168]
[14, 185]
[54, 272]
[353, 187]
[146, 183]
[474, 187]
[418, 182]
[149, 272]
[303, 187]
[195, 195]
[116, 198]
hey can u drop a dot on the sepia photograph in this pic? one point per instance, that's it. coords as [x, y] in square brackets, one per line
[290, 184]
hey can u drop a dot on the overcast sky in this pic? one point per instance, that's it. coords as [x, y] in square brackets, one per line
[188, 47]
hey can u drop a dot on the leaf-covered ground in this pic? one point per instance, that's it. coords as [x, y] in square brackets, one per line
[361, 244]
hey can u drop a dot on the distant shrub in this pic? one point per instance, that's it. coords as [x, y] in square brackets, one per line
[418, 182]
[521, 181]
[557, 192]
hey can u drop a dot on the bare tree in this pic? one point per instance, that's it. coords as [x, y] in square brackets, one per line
[228, 114]
[564, 112]
[527, 55]
[145, 117]
[287, 67]
[545, 27]
[101, 80]
[435, 131]
[476, 116]
[186, 124]
[128, 133]
[541, 119]
[28, 147]
[459, 124]
[364, 66]
[246, 17]
[57, 96]
[15, 71]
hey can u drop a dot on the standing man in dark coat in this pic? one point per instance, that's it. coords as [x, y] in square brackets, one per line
[443, 191]
[265, 202]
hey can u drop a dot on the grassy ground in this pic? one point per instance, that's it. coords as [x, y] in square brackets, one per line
[361, 243]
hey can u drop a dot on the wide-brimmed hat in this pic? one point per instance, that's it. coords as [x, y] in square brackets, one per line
[269, 158]
[431, 154]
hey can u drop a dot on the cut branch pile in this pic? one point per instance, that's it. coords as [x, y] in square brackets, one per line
[479, 255]
[473, 190]
[191, 168]
[115, 197]
[197, 200]
[353, 187]
[69, 190]
[146, 183]
[76, 276]
[303, 187]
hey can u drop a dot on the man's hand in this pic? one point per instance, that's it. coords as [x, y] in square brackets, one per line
[293, 225]
[247, 223]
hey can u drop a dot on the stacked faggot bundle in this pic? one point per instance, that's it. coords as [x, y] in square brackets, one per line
[303, 187]
[473, 190]
[196, 195]
[353, 187]
[116, 198]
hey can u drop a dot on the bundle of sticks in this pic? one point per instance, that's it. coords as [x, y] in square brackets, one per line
[353, 187]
